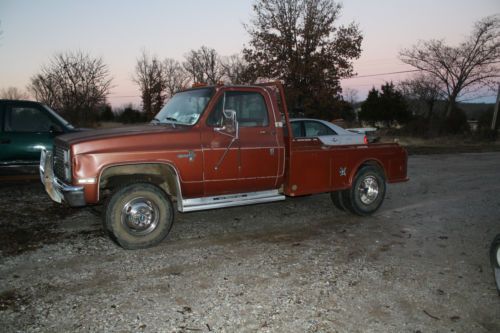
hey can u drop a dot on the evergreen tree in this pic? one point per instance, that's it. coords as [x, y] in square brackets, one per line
[387, 106]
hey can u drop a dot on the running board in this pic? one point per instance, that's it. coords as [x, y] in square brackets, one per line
[229, 200]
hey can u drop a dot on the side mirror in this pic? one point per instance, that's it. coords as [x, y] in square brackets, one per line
[229, 124]
[55, 129]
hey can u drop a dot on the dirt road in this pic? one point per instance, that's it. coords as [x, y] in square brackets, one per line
[419, 265]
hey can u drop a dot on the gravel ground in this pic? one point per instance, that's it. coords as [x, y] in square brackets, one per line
[420, 264]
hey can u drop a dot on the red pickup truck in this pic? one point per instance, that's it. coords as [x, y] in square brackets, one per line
[211, 147]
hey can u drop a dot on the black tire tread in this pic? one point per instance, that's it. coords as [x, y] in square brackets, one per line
[336, 197]
[121, 236]
[349, 196]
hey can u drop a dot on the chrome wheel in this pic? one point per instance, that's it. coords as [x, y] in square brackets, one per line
[368, 190]
[140, 216]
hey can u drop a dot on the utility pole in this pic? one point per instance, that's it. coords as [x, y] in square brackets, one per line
[495, 113]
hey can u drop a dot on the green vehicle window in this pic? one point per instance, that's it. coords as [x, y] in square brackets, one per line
[28, 119]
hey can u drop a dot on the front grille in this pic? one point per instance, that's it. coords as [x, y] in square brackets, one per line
[59, 162]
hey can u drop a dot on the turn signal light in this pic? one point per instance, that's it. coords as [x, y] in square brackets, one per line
[198, 84]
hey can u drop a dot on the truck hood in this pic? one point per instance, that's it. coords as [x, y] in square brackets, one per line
[98, 134]
[131, 138]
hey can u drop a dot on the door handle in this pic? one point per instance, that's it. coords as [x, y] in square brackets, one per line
[263, 132]
[4, 141]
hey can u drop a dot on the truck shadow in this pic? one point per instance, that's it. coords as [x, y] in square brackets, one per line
[30, 219]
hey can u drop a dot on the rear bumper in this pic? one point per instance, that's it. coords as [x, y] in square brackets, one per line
[56, 189]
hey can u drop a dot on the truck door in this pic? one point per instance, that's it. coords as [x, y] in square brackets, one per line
[260, 151]
[251, 161]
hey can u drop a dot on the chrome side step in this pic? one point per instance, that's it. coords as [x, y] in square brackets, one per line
[229, 200]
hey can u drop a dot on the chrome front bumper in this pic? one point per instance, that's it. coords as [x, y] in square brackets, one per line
[57, 190]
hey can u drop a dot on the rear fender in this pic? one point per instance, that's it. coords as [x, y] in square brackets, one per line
[372, 162]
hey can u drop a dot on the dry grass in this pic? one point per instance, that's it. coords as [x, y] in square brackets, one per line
[443, 145]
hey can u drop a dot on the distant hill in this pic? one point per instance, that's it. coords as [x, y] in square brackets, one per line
[474, 110]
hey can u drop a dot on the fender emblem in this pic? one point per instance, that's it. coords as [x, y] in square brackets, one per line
[190, 155]
[343, 171]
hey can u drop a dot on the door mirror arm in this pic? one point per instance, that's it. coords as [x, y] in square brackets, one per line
[230, 124]
[230, 127]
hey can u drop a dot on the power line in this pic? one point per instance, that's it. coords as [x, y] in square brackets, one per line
[120, 96]
[403, 72]
[381, 74]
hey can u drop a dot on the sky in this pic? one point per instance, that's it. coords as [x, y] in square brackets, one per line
[118, 30]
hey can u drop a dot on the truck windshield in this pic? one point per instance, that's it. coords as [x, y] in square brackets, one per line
[184, 108]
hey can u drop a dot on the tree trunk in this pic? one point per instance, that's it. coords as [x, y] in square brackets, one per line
[430, 109]
[452, 103]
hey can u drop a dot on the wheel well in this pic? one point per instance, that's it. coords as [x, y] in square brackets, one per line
[162, 175]
[375, 164]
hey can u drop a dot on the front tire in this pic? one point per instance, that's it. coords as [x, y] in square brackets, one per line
[139, 216]
[366, 193]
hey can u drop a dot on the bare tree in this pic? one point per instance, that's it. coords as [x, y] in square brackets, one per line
[234, 67]
[176, 78]
[13, 93]
[74, 83]
[150, 77]
[204, 65]
[45, 89]
[192, 67]
[462, 69]
[423, 89]
[350, 95]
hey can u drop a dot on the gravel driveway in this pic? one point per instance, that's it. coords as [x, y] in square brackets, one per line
[419, 265]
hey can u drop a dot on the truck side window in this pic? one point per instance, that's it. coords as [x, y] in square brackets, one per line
[27, 119]
[250, 107]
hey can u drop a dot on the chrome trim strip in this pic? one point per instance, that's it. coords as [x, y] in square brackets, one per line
[230, 200]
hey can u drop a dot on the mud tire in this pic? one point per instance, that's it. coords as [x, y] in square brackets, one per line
[367, 192]
[138, 216]
[337, 200]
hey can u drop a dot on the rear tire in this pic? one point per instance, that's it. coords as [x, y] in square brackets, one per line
[367, 192]
[139, 216]
[495, 260]
[337, 200]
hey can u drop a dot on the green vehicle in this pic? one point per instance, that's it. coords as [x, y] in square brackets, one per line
[27, 127]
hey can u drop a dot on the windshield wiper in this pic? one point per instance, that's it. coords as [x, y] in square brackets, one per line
[172, 120]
